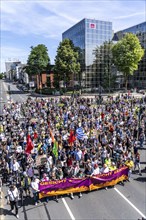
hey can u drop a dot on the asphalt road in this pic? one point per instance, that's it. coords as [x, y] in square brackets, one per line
[122, 202]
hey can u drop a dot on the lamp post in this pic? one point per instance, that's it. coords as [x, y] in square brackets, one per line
[109, 72]
[139, 117]
[40, 83]
[39, 77]
[64, 81]
[100, 95]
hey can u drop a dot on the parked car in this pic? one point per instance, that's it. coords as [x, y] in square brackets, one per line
[142, 91]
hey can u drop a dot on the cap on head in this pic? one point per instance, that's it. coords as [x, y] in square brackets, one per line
[12, 186]
[95, 165]
[24, 174]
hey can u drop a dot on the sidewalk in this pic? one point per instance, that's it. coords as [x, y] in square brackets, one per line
[87, 95]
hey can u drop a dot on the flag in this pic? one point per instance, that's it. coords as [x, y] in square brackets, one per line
[65, 118]
[39, 145]
[29, 145]
[52, 136]
[102, 115]
[35, 135]
[55, 149]
[72, 137]
[80, 133]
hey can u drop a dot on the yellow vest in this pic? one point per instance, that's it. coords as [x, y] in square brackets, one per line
[108, 162]
[112, 168]
[1, 128]
[23, 182]
[129, 164]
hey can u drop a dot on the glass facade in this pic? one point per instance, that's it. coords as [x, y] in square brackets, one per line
[89, 34]
[139, 77]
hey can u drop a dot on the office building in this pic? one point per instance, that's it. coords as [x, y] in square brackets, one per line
[88, 34]
[138, 79]
[11, 69]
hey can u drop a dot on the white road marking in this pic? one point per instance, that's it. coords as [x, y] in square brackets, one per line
[2, 206]
[130, 203]
[5, 90]
[68, 209]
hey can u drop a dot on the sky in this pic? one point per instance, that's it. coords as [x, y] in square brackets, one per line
[26, 23]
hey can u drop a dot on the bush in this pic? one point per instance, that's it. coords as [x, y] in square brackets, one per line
[51, 91]
[48, 91]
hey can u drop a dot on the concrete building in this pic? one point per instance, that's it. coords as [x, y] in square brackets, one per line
[11, 69]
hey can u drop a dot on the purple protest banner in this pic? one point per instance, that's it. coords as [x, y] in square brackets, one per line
[65, 186]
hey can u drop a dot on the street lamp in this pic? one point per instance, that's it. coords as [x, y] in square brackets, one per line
[40, 83]
[100, 95]
[109, 72]
[39, 76]
[139, 116]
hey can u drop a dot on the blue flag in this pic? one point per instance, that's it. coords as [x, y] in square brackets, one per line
[80, 133]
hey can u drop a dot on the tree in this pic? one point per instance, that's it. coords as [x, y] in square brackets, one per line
[66, 62]
[2, 75]
[126, 55]
[38, 60]
[103, 66]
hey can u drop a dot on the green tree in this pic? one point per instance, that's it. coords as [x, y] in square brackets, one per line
[2, 75]
[66, 66]
[38, 60]
[126, 55]
[103, 66]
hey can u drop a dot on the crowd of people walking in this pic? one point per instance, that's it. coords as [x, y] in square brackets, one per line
[54, 138]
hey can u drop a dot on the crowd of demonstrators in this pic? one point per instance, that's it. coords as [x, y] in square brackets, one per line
[74, 137]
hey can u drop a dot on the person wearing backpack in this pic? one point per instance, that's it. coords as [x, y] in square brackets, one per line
[25, 183]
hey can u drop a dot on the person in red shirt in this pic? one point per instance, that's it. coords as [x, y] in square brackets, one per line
[69, 161]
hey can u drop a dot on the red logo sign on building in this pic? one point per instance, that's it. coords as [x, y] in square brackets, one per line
[93, 26]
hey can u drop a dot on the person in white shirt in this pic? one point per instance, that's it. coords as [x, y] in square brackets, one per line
[96, 170]
[15, 167]
[104, 169]
[19, 149]
[12, 199]
[50, 160]
[35, 189]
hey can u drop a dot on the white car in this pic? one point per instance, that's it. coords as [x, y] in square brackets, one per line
[142, 91]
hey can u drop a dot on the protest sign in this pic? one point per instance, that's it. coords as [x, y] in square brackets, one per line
[40, 160]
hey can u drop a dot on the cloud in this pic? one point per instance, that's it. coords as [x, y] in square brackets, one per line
[130, 15]
[51, 18]
[26, 19]
[47, 20]
[13, 54]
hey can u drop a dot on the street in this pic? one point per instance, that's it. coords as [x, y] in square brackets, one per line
[121, 202]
